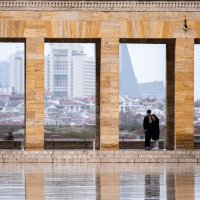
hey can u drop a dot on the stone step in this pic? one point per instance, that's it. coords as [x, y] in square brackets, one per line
[81, 156]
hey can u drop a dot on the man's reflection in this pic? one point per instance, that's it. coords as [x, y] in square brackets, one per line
[98, 186]
[152, 186]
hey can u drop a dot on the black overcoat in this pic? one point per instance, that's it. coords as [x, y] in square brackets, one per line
[155, 130]
[146, 124]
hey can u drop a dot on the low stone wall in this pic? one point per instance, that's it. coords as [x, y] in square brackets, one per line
[83, 145]
[89, 156]
[68, 145]
[137, 144]
[10, 144]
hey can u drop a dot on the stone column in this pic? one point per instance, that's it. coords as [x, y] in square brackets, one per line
[184, 94]
[34, 186]
[98, 74]
[34, 138]
[170, 93]
[109, 94]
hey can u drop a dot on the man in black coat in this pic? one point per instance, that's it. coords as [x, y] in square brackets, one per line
[147, 129]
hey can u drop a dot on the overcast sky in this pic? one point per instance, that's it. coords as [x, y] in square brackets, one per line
[148, 61]
[8, 48]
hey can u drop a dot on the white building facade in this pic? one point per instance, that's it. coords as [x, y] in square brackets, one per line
[69, 72]
[17, 73]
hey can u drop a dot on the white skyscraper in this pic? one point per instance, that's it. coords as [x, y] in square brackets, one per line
[69, 72]
[83, 84]
[16, 63]
[4, 74]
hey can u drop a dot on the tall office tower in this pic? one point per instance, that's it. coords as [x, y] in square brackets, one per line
[69, 72]
[128, 83]
[16, 63]
[83, 83]
[48, 71]
[4, 74]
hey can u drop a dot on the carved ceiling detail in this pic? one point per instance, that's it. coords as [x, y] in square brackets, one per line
[115, 6]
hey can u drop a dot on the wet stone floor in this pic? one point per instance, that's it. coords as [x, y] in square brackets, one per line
[99, 181]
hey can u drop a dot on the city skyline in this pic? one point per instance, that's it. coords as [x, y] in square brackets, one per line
[12, 86]
[10, 48]
[12, 69]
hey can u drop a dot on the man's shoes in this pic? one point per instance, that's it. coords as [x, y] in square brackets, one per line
[147, 148]
[155, 148]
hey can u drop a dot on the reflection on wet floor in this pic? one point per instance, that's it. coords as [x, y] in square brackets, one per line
[99, 181]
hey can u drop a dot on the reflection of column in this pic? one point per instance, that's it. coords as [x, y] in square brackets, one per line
[184, 94]
[98, 186]
[109, 186]
[184, 184]
[152, 186]
[109, 87]
[34, 93]
[35, 186]
[170, 186]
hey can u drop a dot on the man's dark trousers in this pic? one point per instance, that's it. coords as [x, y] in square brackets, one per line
[147, 139]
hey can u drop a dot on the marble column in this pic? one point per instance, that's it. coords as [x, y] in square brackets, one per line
[184, 94]
[34, 138]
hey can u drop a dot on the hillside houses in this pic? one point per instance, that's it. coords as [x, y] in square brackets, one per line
[140, 106]
[70, 112]
[197, 116]
[11, 110]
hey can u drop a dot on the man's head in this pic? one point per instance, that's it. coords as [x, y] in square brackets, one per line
[148, 112]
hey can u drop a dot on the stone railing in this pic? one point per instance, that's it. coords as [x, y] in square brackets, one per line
[115, 6]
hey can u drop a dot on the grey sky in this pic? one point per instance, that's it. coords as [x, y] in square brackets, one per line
[8, 48]
[149, 61]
